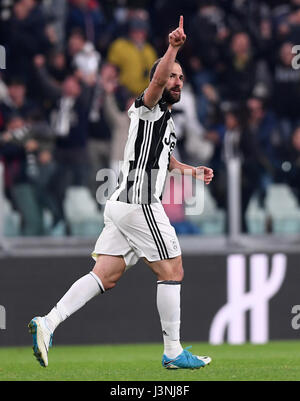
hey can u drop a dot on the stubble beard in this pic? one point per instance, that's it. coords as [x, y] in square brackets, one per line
[169, 98]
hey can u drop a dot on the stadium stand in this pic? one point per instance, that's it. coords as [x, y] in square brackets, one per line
[64, 69]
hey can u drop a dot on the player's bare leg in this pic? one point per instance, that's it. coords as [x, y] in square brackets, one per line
[106, 272]
[109, 269]
[169, 273]
[167, 269]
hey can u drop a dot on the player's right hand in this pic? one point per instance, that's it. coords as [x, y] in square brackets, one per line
[177, 37]
[203, 173]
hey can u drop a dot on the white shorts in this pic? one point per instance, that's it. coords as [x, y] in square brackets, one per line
[136, 231]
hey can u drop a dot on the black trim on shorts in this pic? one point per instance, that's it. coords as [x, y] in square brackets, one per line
[159, 242]
[154, 235]
[159, 233]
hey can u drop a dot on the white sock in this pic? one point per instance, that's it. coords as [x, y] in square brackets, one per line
[168, 305]
[82, 291]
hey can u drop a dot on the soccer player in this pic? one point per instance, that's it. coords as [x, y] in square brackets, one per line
[135, 222]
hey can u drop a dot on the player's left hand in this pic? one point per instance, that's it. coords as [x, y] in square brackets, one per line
[204, 173]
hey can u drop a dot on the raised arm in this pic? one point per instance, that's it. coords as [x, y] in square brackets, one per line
[162, 73]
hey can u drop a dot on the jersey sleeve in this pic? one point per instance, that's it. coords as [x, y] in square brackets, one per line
[144, 112]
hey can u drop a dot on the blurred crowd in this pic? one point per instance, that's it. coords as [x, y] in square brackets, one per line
[74, 68]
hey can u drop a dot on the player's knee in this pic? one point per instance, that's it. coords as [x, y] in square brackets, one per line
[179, 274]
[109, 269]
[109, 282]
[173, 275]
[174, 270]
[178, 269]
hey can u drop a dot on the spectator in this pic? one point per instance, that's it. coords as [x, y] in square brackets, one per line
[84, 59]
[286, 22]
[265, 41]
[208, 26]
[15, 101]
[258, 154]
[286, 91]
[99, 143]
[12, 154]
[55, 11]
[28, 35]
[207, 96]
[26, 149]
[134, 56]
[224, 133]
[57, 66]
[116, 113]
[262, 124]
[69, 122]
[242, 72]
[85, 15]
[49, 78]
[6, 11]
[249, 16]
[291, 163]
[252, 135]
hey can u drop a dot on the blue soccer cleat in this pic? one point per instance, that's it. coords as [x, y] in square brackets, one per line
[186, 360]
[42, 339]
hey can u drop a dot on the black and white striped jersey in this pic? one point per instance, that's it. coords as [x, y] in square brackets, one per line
[151, 141]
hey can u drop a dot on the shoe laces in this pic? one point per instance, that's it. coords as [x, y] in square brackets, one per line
[188, 354]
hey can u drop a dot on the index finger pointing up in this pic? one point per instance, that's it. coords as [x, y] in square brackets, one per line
[181, 22]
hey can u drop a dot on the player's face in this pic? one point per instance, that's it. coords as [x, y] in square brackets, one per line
[174, 85]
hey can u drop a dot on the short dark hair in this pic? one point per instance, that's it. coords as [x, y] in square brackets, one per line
[15, 80]
[78, 32]
[153, 68]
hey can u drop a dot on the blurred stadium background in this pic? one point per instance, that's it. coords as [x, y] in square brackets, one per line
[72, 70]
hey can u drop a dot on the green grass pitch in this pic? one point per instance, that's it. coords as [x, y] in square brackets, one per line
[142, 362]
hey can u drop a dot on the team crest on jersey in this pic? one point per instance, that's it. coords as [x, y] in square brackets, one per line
[174, 244]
